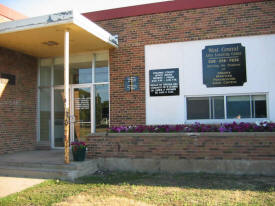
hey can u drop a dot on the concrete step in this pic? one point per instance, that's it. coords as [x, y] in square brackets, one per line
[43, 145]
[33, 172]
[50, 171]
[38, 165]
[71, 166]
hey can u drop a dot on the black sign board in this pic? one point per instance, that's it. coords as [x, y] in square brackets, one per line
[10, 77]
[164, 82]
[131, 83]
[224, 65]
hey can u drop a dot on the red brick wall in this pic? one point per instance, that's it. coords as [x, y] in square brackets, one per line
[128, 108]
[210, 146]
[18, 102]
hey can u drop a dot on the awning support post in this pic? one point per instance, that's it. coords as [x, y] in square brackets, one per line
[67, 99]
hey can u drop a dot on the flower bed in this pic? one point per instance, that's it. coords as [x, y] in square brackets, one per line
[197, 127]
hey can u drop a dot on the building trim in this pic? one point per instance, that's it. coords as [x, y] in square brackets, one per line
[10, 13]
[161, 7]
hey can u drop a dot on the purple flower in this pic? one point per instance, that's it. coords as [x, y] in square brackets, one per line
[197, 127]
[222, 129]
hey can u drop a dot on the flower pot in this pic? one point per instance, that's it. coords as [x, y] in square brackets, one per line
[79, 154]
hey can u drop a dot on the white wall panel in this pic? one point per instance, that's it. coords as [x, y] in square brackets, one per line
[187, 56]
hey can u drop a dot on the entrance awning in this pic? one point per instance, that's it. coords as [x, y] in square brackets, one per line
[59, 34]
[43, 36]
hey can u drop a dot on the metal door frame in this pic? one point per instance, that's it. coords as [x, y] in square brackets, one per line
[77, 86]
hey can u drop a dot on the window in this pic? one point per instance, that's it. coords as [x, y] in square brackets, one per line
[205, 108]
[45, 99]
[217, 107]
[45, 113]
[102, 107]
[198, 108]
[58, 74]
[45, 76]
[82, 69]
[81, 73]
[259, 106]
[236, 107]
[101, 71]
[91, 69]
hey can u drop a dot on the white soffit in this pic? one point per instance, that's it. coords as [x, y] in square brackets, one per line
[29, 35]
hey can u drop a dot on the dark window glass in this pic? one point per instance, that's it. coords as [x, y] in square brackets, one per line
[102, 107]
[217, 107]
[59, 118]
[45, 114]
[259, 106]
[45, 76]
[198, 108]
[238, 107]
[58, 74]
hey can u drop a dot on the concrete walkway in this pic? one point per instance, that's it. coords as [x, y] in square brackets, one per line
[10, 185]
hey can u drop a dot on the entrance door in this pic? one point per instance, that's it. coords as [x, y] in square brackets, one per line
[81, 112]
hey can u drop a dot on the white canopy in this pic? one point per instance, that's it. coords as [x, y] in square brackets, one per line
[43, 36]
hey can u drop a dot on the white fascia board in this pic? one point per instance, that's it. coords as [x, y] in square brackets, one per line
[37, 22]
[94, 29]
[58, 19]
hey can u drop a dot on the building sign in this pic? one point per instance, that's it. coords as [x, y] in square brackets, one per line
[224, 65]
[131, 83]
[164, 82]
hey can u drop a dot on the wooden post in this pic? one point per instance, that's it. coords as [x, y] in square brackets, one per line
[67, 98]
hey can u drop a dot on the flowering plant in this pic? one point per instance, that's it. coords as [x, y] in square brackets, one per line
[78, 146]
[197, 127]
[79, 150]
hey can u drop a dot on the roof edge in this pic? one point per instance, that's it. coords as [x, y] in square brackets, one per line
[61, 18]
[96, 30]
[36, 22]
[10, 13]
[160, 7]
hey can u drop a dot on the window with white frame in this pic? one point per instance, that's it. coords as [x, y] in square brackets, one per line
[91, 69]
[226, 107]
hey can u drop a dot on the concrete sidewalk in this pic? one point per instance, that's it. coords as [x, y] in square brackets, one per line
[9, 185]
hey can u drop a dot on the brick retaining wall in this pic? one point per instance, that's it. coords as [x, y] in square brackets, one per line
[205, 146]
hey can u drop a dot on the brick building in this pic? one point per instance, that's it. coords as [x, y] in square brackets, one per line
[174, 62]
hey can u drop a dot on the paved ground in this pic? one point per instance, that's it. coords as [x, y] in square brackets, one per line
[9, 185]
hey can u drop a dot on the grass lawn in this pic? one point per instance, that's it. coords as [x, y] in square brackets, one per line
[127, 189]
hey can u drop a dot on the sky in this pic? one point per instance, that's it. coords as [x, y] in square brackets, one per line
[32, 8]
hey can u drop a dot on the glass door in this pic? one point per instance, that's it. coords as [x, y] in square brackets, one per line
[81, 106]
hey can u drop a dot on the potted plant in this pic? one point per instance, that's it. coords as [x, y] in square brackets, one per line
[79, 150]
